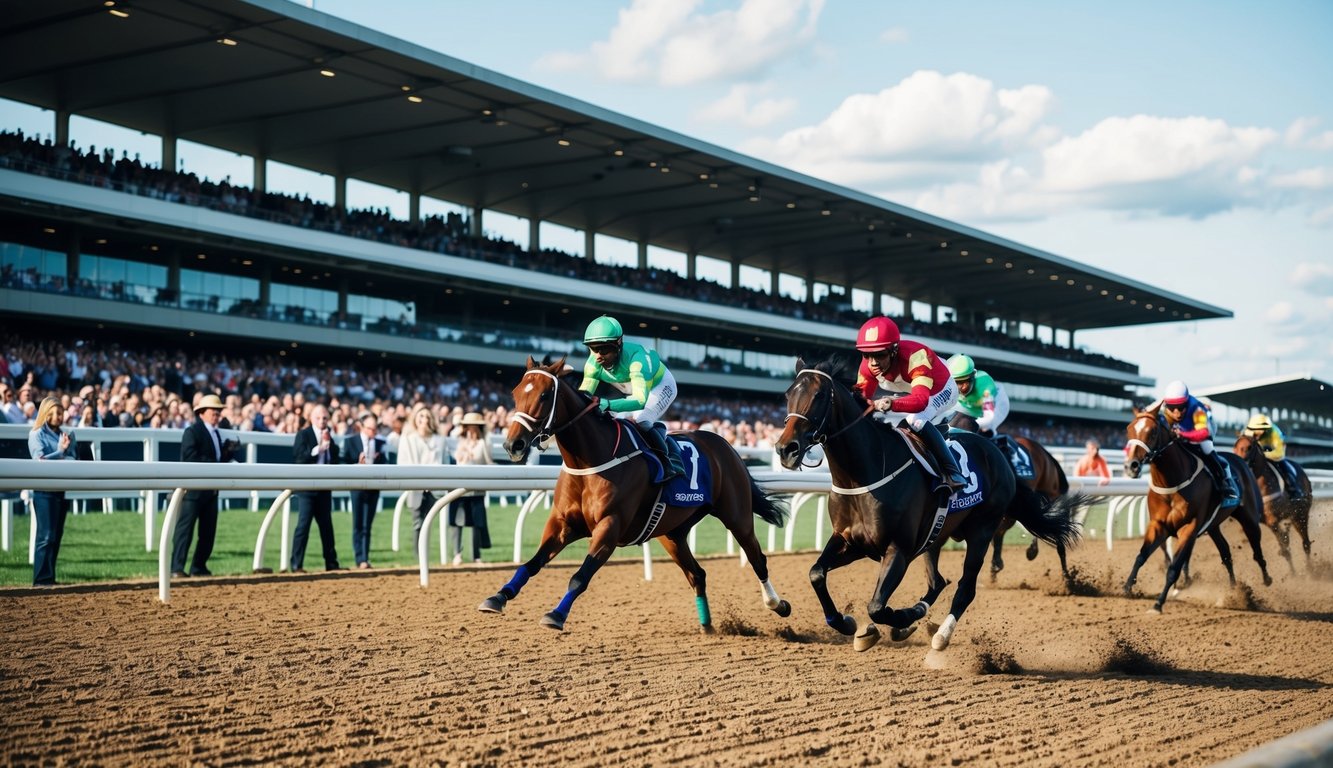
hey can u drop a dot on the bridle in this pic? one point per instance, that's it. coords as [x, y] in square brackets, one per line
[1149, 452]
[542, 436]
[818, 436]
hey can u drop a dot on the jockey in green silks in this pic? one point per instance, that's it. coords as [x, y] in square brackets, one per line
[636, 372]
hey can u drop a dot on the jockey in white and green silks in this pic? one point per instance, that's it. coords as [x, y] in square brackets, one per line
[637, 373]
[979, 396]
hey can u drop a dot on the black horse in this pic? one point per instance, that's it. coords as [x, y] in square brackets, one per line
[884, 504]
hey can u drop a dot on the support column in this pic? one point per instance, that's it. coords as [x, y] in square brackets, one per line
[340, 193]
[691, 266]
[590, 245]
[1071, 338]
[414, 207]
[534, 234]
[174, 275]
[261, 174]
[169, 153]
[810, 286]
[474, 226]
[342, 298]
[774, 276]
[735, 274]
[643, 254]
[62, 128]
[72, 257]
[876, 294]
[265, 285]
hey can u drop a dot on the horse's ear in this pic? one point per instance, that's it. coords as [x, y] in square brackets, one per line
[531, 363]
[800, 364]
[558, 366]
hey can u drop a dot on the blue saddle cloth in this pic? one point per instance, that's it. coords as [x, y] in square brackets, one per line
[1018, 456]
[975, 491]
[695, 487]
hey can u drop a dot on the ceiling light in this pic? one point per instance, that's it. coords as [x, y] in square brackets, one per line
[826, 212]
[118, 13]
[703, 177]
[327, 72]
[791, 205]
[226, 41]
[964, 253]
[414, 99]
[562, 141]
[49, 230]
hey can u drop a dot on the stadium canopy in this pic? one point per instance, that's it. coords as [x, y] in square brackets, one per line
[277, 81]
[1300, 393]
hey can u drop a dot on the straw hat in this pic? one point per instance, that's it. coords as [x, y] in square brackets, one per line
[474, 418]
[208, 401]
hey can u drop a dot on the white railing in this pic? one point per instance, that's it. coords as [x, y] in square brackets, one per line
[178, 477]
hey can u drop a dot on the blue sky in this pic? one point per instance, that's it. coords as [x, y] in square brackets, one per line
[1185, 144]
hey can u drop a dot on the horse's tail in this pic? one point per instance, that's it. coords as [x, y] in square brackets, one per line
[1052, 521]
[768, 509]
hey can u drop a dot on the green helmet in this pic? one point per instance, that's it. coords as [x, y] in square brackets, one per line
[603, 329]
[961, 366]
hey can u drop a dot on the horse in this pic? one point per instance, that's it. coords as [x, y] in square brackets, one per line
[1048, 479]
[605, 493]
[1183, 500]
[884, 504]
[1280, 512]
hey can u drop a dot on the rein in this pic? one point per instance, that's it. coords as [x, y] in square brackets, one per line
[545, 434]
[819, 438]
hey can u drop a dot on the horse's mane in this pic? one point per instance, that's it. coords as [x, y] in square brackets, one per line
[838, 368]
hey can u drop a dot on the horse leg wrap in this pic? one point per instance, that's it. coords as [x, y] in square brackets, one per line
[511, 590]
[701, 605]
[771, 599]
[578, 584]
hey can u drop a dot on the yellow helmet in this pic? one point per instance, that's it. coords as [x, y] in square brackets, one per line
[1259, 423]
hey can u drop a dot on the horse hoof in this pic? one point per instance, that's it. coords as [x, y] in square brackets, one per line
[942, 637]
[866, 638]
[1156, 610]
[554, 621]
[1268, 581]
[707, 629]
[899, 634]
[783, 609]
[492, 605]
[843, 626]
[1032, 551]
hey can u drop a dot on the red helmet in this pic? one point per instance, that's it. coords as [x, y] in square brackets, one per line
[877, 335]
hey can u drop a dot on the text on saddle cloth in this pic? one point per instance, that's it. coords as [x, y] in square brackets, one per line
[695, 487]
[971, 494]
[1018, 456]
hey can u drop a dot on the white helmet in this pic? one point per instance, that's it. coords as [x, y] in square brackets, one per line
[1176, 393]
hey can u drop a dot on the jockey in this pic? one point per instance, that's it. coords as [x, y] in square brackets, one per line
[1191, 420]
[926, 391]
[979, 396]
[1274, 445]
[637, 373]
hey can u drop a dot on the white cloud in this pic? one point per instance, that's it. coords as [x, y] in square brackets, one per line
[1301, 134]
[1282, 313]
[1306, 178]
[744, 104]
[893, 35]
[1322, 217]
[1314, 278]
[670, 43]
[928, 117]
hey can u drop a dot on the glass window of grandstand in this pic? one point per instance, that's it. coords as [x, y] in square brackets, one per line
[32, 269]
[213, 292]
[107, 277]
[372, 313]
[296, 304]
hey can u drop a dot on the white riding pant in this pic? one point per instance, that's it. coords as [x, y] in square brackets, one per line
[659, 400]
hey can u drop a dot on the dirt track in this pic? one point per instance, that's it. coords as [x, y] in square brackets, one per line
[374, 670]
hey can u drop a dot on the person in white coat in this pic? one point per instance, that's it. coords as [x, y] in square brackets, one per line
[421, 444]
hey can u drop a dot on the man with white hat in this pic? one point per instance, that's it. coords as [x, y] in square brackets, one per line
[201, 442]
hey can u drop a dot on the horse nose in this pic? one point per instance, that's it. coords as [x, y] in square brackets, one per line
[1132, 468]
[516, 448]
[789, 453]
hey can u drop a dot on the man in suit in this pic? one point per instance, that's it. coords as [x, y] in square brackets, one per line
[201, 442]
[314, 445]
[365, 446]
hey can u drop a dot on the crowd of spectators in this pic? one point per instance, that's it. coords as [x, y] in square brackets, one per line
[121, 385]
[450, 235]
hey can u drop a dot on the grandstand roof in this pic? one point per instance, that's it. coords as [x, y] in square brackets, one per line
[245, 76]
[1301, 393]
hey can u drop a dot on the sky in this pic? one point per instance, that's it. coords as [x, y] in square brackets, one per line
[1187, 145]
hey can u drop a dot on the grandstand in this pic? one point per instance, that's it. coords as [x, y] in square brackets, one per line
[97, 247]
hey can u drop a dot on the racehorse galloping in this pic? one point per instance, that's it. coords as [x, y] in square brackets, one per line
[1184, 502]
[605, 492]
[884, 505]
[1281, 513]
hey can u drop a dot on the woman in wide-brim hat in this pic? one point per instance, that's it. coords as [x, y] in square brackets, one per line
[470, 510]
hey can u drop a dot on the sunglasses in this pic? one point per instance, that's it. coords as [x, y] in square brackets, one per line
[602, 349]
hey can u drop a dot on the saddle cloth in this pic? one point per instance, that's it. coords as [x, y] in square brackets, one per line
[695, 487]
[974, 492]
[1018, 456]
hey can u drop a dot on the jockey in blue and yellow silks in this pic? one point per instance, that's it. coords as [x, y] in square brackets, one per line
[1274, 445]
[637, 373]
[1189, 419]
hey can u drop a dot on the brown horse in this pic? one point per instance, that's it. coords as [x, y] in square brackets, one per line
[884, 504]
[604, 492]
[1280, 512]
[1048, 479]
[1184, 502]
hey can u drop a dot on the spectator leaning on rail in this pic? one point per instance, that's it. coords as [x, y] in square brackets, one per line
[1091, 464]
[636, 372]
[1190, 420]
[47, 443]
[923, 391]
[1274, 445]
[201, 442]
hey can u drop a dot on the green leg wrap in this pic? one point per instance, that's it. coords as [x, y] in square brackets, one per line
[705, 618]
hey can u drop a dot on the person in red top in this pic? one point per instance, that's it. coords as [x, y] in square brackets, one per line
[1092, 464]
[923, 390]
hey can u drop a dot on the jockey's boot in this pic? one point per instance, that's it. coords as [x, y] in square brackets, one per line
[1294, 490]
[951, 475]
[672, 466]
[1225, 480]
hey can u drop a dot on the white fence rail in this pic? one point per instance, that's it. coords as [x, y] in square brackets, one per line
[177, 477]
